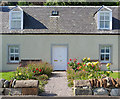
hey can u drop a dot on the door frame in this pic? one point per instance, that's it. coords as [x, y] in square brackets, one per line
[58, 45]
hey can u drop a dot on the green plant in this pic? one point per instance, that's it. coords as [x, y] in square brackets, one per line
[42, 77]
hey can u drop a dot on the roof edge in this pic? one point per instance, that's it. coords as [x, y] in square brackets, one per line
[59, 6]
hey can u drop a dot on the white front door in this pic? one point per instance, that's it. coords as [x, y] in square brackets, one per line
[59, 57]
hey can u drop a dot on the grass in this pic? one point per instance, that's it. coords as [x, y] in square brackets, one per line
[6, 75]
[115, 75]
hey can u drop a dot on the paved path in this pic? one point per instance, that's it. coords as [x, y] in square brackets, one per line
[57, 85]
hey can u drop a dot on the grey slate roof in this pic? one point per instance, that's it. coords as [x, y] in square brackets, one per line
[72, 20]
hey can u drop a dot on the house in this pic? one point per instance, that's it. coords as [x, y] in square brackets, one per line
[57, 33]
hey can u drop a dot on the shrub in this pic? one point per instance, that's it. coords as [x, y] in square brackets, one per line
[41, 68]
[33, 70]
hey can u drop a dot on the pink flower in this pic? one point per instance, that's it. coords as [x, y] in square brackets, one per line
[34, 71]
[84, 65]
[92, 65]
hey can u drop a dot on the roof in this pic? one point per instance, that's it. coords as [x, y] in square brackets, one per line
[73, 19]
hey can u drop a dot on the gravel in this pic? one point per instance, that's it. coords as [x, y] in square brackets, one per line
[57, 85]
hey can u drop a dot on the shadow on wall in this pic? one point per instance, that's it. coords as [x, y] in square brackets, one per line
[116, 24]
[31, 23]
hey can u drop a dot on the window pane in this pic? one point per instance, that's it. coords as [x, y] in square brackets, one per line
[101, 24]
[102, 50]
[106, 24]
[107, 14]
[107, 57]
[16, 15]
[15, 24]
[102, 56]
[101, 18]
[16, 50]
[107, 18]
[11, 50]
[17, 57]
[12, 57]
[107, 50]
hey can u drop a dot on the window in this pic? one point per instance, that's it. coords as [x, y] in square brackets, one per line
[105, 54]
[55, 13]
[16, 20]
[13, 54]
[105, 20]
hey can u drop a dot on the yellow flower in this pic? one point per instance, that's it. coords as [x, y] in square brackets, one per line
[108, 72]
[19, 73]
[88, 58]
[17, 68]
[90, 76]
[108, 64]
[16, 74]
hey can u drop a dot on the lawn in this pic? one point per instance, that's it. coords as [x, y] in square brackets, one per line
[115, 75]
[6, 75]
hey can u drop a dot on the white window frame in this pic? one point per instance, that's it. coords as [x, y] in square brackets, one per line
[15, 47]
[110, 53]
[110, 20]
[10, 19]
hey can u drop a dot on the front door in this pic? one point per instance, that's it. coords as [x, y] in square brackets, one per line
[59, 57]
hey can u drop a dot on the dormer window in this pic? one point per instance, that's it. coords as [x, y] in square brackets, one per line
[55, 13]
[104, 18]
[16, 19]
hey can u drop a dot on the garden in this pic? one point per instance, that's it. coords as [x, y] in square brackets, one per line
[34, 71]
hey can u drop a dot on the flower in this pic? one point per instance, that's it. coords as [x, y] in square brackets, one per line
[83, 69]
[77, 67]
[68, 63]
[70, 59]
[34, 71]
[92, 65]
[108, 64]
[19, 73]
[84, 65]
[16, 74]
[40, 70]
[74, 59]
[36, 68]
[78, 63]
[80, 67]
[89, 59]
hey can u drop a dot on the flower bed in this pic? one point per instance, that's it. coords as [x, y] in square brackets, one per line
[85, 70]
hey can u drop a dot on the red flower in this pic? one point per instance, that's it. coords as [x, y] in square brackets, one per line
[68, 63]
[70, 59]
[78, 63]
[40, 70]
[34, 71]
[84, 65]
[36, 68]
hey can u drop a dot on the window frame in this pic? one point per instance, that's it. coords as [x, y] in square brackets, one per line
[10, 20]
[14, 46]
[110, 53]
[110, 20]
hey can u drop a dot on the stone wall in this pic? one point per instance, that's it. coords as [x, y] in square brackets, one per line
[106, 86]
[19, 87]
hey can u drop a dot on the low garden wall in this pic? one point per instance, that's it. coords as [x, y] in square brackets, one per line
[19, 87]
[106, 86]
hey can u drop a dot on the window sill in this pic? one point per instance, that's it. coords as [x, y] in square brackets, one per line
[106, 63]
[55, 16]
[12, 63]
